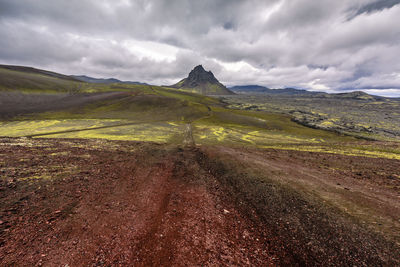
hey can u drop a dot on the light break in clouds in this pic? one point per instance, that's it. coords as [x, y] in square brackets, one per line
[319, 45]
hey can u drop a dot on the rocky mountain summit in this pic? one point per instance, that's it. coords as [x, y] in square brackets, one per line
[202, 81]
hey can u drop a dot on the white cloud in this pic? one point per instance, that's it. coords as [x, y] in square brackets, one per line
[315, 85]
[152, 50]
[384, 92]
[319, 45]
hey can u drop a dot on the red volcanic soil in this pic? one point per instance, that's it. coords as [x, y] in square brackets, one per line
[106, 203]
[122, 204]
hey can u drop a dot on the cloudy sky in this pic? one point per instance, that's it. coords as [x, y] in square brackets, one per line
[324, 45]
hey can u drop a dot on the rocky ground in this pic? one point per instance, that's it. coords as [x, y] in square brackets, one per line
[368, 118]
[71, 202]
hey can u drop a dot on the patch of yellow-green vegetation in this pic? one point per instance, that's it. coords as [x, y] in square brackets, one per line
[327, 123]
[63, 153]
[38, 127]
[213, 88]
[321, 114]
[37, 177]
[220, 133]
[272, 122]
[67, 153]
[173, 123]
[180, 83]
[116, 87]
[27, 142]
[392, 149]
[97, 144]
[150, 132]
[46, 173]
[161, 132]
[250, 136]
[365, 125]
[373, 136]
[364, 151]
[256, 128]
[207, 134]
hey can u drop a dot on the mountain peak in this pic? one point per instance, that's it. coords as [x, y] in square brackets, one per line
[199, 68]
[202, 81]
[199, 75]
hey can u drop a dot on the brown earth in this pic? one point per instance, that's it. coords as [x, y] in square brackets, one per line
[68, 202]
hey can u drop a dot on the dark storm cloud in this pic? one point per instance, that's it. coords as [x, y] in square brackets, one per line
[303, 43]
[377, 6]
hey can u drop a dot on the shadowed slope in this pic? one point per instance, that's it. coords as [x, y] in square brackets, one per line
[28, 79]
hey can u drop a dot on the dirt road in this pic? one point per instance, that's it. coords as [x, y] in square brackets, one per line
[188, 139]
[143, 208]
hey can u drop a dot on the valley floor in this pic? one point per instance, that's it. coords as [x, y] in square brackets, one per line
[76, 202]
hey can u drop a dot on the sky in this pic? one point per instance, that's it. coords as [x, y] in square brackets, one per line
[324, 45]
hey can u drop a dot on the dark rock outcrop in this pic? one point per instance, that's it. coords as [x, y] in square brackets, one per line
[202, 81]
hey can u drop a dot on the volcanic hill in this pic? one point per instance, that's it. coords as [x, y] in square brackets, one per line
[202, 81]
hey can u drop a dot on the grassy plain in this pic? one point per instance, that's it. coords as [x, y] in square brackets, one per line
[158, 114]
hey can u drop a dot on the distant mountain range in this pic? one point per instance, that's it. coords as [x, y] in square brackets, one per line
[88, 79]
[203, 82]
[199, 81]
[257, 89]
